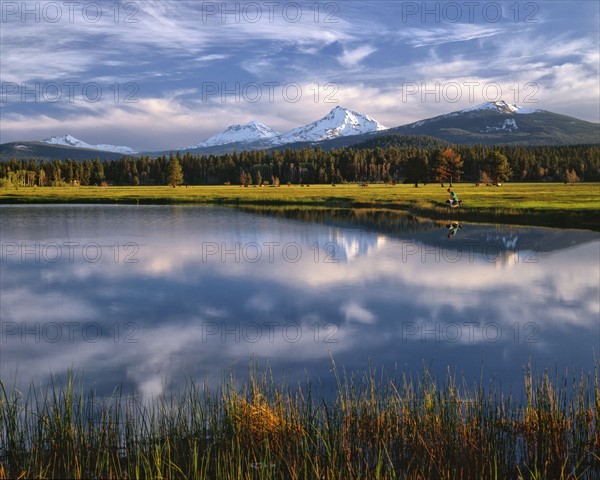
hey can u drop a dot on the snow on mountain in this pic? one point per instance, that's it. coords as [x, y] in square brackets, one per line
[509, 125]
[500, 106]
[250, 132]
[339, 122]
[70, 141]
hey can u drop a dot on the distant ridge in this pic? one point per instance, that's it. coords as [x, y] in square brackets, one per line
[502, 123]
[70, 141]
[489, 123]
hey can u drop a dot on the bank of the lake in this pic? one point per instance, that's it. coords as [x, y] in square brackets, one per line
[539, 204]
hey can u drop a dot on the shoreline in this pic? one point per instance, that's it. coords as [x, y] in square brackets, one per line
[545, 205]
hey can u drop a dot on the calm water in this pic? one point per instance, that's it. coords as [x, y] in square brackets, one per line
[147, 296]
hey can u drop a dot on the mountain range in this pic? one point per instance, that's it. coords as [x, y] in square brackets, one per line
[489, 123]
[339, 122]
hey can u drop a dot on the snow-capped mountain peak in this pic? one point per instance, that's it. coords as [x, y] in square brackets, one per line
[339, 122]
[501, 106]
[71, 141]
[253, 131]
[67, 140]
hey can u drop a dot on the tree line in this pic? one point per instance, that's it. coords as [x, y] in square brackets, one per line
[409, 164]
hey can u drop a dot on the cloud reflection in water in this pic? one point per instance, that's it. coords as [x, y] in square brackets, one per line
[315, 290]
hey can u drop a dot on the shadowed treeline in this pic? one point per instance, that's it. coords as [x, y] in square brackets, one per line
[399, 159]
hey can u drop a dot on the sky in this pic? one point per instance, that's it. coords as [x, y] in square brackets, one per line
[159, 75]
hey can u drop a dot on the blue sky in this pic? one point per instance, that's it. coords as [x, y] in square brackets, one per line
[168, 74]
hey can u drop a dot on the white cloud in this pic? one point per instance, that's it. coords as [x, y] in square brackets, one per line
[350, 58]
[356, 313]
[422, 37]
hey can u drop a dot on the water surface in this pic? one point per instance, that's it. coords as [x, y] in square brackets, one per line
[149, 296]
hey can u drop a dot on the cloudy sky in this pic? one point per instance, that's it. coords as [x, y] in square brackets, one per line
[167, 74]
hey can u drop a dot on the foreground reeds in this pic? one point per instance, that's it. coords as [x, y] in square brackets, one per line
[400, 427]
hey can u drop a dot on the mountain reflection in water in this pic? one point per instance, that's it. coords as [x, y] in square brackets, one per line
[181, 291]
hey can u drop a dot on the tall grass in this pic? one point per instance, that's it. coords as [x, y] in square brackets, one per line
[371, 427]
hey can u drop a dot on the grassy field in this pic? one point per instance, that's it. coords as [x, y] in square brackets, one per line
[421, 428]
[543, 204]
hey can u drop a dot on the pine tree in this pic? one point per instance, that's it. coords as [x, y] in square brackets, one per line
[97, 174]
[175, 172]
[497, 168]
[416, 169]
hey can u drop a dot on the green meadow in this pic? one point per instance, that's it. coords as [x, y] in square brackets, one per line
[542, 204]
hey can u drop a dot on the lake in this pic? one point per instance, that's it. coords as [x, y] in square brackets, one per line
[150, 296]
